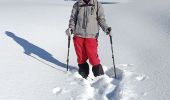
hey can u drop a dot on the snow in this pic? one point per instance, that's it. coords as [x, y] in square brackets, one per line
[34, 49]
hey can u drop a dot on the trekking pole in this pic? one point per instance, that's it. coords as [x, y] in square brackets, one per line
[69, 38]
[111, 42]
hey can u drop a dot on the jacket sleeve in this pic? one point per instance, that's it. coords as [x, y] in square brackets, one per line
[73, 17]
[101, 18]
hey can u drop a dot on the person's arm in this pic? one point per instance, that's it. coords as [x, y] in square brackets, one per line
[73, 17]
[101, 18]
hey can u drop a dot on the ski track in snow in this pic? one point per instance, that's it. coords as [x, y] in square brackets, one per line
[104, 87]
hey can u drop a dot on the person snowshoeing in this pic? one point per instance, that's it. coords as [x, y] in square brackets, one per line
[87, 17]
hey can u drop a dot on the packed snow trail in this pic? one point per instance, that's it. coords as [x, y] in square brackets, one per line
[104, 87]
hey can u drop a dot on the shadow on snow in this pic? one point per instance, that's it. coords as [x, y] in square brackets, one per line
[30, 48]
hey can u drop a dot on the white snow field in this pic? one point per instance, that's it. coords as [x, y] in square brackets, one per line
[33, 53]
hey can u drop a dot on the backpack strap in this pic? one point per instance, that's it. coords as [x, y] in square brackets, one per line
[97, 17]
[83, 5]
[97, 12]
[77, 12]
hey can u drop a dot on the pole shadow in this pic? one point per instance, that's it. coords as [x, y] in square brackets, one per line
[30, 48]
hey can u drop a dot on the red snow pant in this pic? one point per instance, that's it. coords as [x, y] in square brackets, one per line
[86, 48]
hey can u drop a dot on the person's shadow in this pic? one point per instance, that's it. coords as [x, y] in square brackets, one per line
[30, 48]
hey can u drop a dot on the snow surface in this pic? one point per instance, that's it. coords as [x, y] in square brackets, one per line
[34, 48]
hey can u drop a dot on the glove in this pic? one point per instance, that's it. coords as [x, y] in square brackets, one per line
[108, 30]
[69, 31]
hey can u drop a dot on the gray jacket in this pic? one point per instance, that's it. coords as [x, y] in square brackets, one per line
[85, 20]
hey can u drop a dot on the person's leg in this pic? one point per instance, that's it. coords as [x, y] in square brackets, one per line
[91, 45]
[81, 56]
[80, 49]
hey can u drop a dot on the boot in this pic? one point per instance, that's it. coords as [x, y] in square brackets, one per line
[97, 70]
[84, 70]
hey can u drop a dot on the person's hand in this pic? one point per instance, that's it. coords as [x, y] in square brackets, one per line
[108, 31]
[69, 31]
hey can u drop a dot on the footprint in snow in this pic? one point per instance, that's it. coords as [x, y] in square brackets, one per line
[141, 77]
[103, 86]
